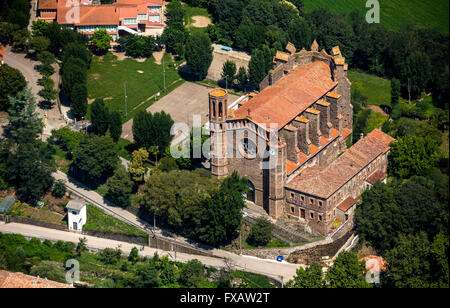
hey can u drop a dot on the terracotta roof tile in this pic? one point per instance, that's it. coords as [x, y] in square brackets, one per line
[91, 15]
[345, 205]
[376, 176]
[19, 280]
[47, 5]
[48, 15]
[285, 100]
[326, 182]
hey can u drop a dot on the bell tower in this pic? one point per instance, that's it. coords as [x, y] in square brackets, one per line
[218, 112]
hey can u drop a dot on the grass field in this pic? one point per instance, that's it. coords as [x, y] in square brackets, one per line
[107, 78]
[394, 14]
[101, 222]
[193, 11]
[377, 90]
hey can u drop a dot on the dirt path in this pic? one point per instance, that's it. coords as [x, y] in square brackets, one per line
[201, 21]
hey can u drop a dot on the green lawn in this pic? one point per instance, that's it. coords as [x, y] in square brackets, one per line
[107, 78]
[191, 11]
[97, 220]
[394, 14]
[253, 280]
[377, 90]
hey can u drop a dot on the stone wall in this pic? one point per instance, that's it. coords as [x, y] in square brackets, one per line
[315, 254]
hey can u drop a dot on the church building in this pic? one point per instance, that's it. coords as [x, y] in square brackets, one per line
[290, 141]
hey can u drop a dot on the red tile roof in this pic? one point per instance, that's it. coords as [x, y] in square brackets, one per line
[48, 15]
[302, 157]
[345, 205]
[19, 280]
[91, 15]
[324, 181]
[47, 5]
[376, 176]
[290, 96]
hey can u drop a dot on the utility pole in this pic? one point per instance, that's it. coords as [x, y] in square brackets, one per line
[125, 89]
[164, 72]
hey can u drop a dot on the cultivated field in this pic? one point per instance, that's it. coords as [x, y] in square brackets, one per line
[394, 14]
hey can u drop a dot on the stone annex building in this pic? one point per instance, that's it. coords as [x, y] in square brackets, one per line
[316, 179]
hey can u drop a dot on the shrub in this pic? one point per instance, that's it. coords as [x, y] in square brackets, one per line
[261, 232]
[59, 189]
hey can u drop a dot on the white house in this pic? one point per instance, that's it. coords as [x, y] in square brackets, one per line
[77, 215]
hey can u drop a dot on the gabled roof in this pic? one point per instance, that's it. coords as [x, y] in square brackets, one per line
[376, 176]
[91, 15]
[325, 181]
[290, 96]
[345, 205]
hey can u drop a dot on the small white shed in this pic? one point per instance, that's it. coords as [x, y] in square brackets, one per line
[77, 215]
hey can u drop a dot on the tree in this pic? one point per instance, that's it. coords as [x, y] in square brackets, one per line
[174, 34]
[299, 33]
[99, 117]
[300, 5]
[73, 72]
[138, 46]
[408, 264]
[95, 159]
[46, 70]
[166, 271]
[192, 273]
[133, 257]
[175, 198]
[395, 91]
[46, 57]
[242, 77]
[115, 125]
[174, 12]
[415, 74]
[20, 39]
[110, 256]
[152, 130]
[78, 100]
[221, 213]
[30, 170]
[199, 54]
[11, 83]
[48, 92]
[81, 246]
[39, 44]
[6, 32]
[167, 164]
[101, 41]
[147, 276]
[412, 155]
[347, 272]
[49, 270]
[120, 187]
[256, 68]
[229, 72]
[417, 204]
[59, 189]
[136, 168]
[24, 122]
[261, 232]
[311, 277]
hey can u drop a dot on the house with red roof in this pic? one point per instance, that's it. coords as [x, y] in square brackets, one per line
[290, 141]
[139, 17]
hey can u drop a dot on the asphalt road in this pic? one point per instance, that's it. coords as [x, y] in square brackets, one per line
[32, 76]
[280, 271]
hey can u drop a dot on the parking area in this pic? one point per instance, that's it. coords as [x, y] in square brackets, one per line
[182, 104]
[221, 56]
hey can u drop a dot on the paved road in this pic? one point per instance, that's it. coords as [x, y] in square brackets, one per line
[276, 270]
[27, 67]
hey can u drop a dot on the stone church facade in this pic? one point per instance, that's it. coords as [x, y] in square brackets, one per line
[289, 140]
